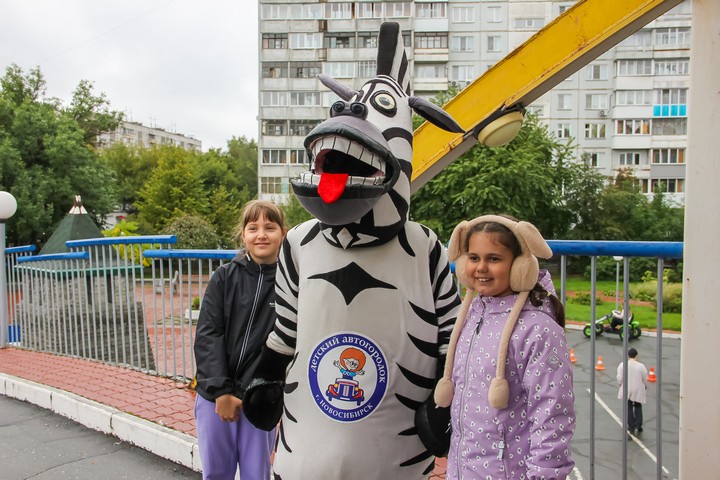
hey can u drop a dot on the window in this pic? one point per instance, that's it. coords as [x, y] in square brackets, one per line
[629, 158]
[529, 23]
[274, 99]
[305, 69]
[672, 67]
[367, 69]
[669, 126]
[563, 101]
[302, 127]
[304, 99]
[594, 130]
[306, 40]
[672, 36]
[668, 155]
[272, 41]
[597, 72]
[398, 9]
[562, 8]
[643, 38]
[273, 156]
[274, 12]
[339, 40]
[367, 40]
[369, 10]
[274, 127]
[430, 40]
[430, 70]
[340, 69]
[430, 10]
[463, 14]
[632, 126]
[631, 68]
[493, 43]
[298, 156]
[338, 11]
[596, 101]
[463, 43]
[563, 130]
[633, 97]
[306, 11]
[463, 73]
[670, 102]
[594, 158]
[664, 185]
[271, 184]
[494, 15]
[274, 70]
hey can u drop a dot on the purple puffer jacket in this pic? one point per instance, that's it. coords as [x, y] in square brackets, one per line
[530, 439]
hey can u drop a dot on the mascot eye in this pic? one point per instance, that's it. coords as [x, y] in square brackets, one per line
[384, 103]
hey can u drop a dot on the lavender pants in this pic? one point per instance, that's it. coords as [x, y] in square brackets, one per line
[226, 445]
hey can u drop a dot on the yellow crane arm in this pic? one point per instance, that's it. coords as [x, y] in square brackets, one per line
[569, 42]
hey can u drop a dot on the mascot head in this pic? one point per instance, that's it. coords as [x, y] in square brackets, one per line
[358, 185]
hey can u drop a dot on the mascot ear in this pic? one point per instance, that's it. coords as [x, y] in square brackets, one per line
[342, 91]
[434, 114]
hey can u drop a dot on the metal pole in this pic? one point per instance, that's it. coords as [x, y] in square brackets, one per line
[3, 291]
[617, 285]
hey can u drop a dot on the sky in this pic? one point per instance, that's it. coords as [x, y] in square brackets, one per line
[187, 66]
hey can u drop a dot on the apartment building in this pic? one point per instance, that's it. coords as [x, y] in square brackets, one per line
[626, 109]
[135, 133]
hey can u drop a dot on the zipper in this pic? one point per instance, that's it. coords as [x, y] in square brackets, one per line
[253, 311]
[501, 443]
[475, 332]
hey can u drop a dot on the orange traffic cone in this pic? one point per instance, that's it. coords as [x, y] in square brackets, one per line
[600, 365]
[651, 375]
[572, 356]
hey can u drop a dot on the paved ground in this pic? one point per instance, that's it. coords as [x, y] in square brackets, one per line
[39, 444]
[157, 414]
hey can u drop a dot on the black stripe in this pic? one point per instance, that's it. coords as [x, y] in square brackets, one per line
[387, 47]
[388, 82]
[397, 132]
[416, 459]
[408, 402]
[428, 348]
[403, 71]
[416, 379]
[425, 316]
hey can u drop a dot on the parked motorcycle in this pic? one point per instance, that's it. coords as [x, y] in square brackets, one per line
[613, 323]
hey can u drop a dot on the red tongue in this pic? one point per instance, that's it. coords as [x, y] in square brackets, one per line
[332, 186]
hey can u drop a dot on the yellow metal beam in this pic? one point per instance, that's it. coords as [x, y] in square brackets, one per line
[562, 47]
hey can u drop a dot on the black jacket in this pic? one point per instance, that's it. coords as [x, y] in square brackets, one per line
[236, 317]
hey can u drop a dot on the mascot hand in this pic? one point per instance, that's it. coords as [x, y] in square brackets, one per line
[263, 398]
[263, 403]
[433, 426]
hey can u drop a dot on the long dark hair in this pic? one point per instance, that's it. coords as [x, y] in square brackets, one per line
[506, 238]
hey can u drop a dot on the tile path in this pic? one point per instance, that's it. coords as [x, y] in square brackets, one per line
[159, 400]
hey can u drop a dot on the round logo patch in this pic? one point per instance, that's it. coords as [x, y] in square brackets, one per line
[348, 376]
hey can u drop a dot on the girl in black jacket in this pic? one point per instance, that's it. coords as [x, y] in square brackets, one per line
[237, 315]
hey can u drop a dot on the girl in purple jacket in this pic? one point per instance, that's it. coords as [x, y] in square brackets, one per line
[508, 377]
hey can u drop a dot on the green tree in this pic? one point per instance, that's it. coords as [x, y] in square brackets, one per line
[132, 167]
[193, 231]
[92, 112]
[524, 179]
[244, 156]
[44, 160]
[174, 188]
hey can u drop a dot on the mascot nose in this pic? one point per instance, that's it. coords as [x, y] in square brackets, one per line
[355, 109]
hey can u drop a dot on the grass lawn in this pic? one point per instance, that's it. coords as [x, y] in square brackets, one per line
[647, 316]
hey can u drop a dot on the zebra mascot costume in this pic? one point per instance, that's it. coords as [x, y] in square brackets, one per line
[365, 298]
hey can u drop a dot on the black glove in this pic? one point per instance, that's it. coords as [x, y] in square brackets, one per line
[263, 398]
[433, 427]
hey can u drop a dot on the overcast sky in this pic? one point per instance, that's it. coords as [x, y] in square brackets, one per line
[188, 66]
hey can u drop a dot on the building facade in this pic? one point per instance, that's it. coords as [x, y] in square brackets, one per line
[626, 109]
[135, 133]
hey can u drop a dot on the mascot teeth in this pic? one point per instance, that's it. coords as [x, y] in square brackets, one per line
[335, 154]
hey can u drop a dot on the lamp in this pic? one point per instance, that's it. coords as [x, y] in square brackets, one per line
[8, 206]
[500, 127]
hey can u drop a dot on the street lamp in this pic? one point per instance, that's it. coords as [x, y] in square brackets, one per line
[617, 281]
[8, 206]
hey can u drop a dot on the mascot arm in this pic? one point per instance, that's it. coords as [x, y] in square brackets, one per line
[433, 422]
[263, 398]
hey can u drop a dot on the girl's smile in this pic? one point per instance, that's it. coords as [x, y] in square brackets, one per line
[488, 265]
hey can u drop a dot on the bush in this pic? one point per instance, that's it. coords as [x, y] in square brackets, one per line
[193, 232]
[672, 295]
[584, 298]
